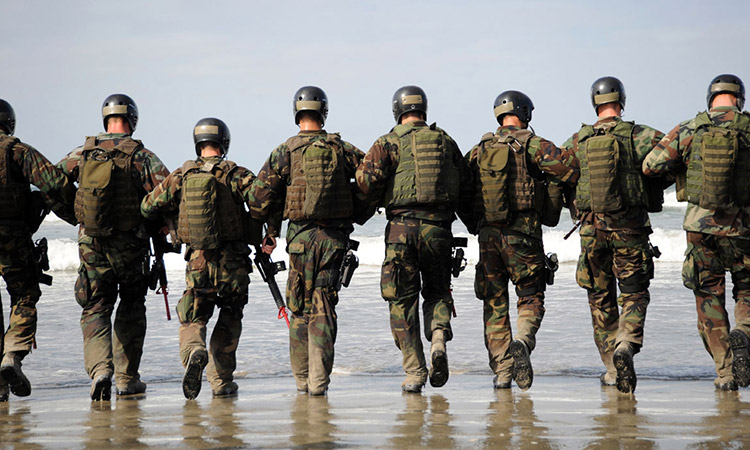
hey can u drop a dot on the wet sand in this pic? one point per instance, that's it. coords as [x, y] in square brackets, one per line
[371, 412]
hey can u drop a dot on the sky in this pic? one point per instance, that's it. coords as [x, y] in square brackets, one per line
[243, 61]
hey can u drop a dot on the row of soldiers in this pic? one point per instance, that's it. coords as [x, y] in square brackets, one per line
[610, 174]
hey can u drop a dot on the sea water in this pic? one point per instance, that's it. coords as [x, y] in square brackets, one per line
[364, 346]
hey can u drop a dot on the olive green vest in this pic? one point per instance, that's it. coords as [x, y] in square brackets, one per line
[14, 190]
[611, 176]
[109, 193]
[209, 214]
[718, 169]
[320, 187]
[426, 174]
[504, 179]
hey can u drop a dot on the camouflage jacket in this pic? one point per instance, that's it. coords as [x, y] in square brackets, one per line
[645, 139]
[380, 164]
[58, 191]
[671, 156]
[268, 192]
[561, 166]
[151, 171]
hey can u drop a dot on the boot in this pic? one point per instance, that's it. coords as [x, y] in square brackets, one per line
[740, 357]
[10, 369]
[439, 360]
[725, 384]
[133, 387]
[191, 381]
[412, 385]
[523, 373]
[228, 390]
[608, 378]
[498, 384]
[4, 389]
[101, 388]
[623, 361]
[319, 392]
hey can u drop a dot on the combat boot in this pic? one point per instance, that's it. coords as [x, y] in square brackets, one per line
[740, 357]
[725, 383]
[319, 391]
[3, 390]
[500, 384]
[439, 360]
[101, 388]
[608, 378]
[10, 369]
[522, 372]
[191, 381]
[133, 387]
[623, 361]
[412, 384]
[228, 390]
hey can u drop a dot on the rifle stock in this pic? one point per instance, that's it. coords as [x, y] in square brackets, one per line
[268, 270]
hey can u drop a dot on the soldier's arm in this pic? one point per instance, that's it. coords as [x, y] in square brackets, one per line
[560, 164]
[152, 171]
[164, 199]
[267, 194]
[374, 170]
[69, 164]
[466, 212]
[465, 186]
[666, 157]
[645, 139]
[58, 191]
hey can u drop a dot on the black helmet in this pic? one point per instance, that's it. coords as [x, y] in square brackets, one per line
[407, 99]
[310, 98]
[120, 105]
[7, 117]
[211, 130]
[607, 90]
[513, 102]
[726, 84]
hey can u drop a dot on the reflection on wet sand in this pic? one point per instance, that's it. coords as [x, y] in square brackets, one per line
[312, 425]
[512, 423]
[15, 426]
[424, 422]
[620, 425]
[729, 425]
[114, 424]
[214, 426]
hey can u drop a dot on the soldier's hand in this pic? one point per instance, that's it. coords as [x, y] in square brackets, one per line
[269, 244]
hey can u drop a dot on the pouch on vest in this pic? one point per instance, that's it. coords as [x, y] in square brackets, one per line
[553, 204]
[199, 200]
[96, 192]
[718, 152]
[14, 190]
[436, 179]
[603, 154]
[494, 179]
[320, 165]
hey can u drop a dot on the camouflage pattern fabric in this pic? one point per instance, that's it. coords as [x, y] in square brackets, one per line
[707, 258]
[507, 256]
[417, 248]
[717, 241]
[315, 257]
[109, 266]
[213, 279]
[608, 257]
[112, 264]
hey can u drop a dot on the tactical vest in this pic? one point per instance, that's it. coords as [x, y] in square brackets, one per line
[611, 176]
[209, 215]
[504, 179]
[718, 164]
[109, 191]
[319, 188]
[426, 173]
[14, 191]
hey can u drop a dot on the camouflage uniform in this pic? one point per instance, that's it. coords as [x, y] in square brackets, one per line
[513, 250]
[418, 242]
[24, 165]
[316, 250]
[111, 265]
[615, 248]
[717, 241]
[217, 278]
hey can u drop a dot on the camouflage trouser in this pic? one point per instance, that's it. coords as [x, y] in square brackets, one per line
[214, 278]
[521, 259]
[413, 248]
[109, 265]
[315, 257]
[707, 258]
[19, 270]
[624, 257]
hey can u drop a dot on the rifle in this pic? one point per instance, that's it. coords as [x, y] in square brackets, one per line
[348, 265]
[458, 261]
[158, 272]
[268, 270]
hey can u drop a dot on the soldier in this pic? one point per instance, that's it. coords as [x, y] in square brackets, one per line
[210, 194]
[716, 143]
[114, 172]
[613, 201]
[21, 213]
[307, 180]
[418, 173]
[513, 171]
